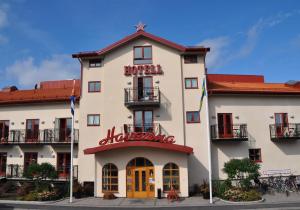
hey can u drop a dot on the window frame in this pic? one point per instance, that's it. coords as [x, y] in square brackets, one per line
[193, 121]
[255, 150]
[94, 91]
[2, 136]
[90, 115]
[95, 61]
[109, 177]
[143, 55]
[170, 176]
[191, 79]
[190, 61]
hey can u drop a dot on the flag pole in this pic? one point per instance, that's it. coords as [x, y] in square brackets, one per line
[72, 142]
[208, 144]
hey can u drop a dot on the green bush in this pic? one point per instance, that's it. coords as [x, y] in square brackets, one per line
[25, 188]
[32, 196]
[243, 171]
[219, 187]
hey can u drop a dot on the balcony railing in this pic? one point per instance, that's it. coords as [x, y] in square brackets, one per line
[285, 131]
[46, 136]
[16, 171]
[235, 132]
[152, 128]
[142, 97]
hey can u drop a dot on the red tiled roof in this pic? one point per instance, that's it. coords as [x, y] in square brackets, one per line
[136, 35]
[51, 91]
[236, 78]
[218, 86]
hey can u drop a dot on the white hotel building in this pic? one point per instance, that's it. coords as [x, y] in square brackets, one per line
[137, 122]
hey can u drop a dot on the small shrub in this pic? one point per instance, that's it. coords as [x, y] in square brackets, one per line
[237, 194]
[47, 196]
[109, 196]
[77, 190]
[24, 189]
[88, 189]
[32, 196]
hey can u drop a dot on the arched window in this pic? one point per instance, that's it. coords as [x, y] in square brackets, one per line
[109, 178]
[171, 177]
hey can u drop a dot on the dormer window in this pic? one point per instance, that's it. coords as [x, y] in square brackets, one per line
[142, 55]
[95, 63]
[190, 59]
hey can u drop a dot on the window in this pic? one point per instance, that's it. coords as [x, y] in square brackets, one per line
[142, 55]
[170, 177]
[94, 86]
[191, 83]
[190, 59]
[281, 124]
[93, 120]
[193, 117]
[225, 126]
[255, 155]
[95, 63]
[109, 178]
[4, 130]
[32, 130]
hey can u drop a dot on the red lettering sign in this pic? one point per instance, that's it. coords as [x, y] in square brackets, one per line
[111, 137]
[143, 69]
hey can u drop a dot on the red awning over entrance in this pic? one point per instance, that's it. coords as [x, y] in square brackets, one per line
[127, 144]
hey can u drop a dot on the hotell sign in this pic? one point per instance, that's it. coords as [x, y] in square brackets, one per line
[135, 136]
[143, 70]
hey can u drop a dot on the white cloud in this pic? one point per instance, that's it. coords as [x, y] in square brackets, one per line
[27, 72]
[218, 46]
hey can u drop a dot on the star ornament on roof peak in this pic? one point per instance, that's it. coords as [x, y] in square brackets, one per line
[140, 26]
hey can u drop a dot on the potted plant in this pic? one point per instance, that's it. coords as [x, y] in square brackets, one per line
[204, 189]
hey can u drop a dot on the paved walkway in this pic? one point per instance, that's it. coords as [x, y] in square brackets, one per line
[126, 202]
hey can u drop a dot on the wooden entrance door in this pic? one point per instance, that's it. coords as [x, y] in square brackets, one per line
[225, 125]
[140, 179]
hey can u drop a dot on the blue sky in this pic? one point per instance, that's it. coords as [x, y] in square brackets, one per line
[37, 38]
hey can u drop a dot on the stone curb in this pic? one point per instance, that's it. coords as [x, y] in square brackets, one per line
[243, 202]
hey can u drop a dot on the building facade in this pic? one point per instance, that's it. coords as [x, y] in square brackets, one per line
[138, 125]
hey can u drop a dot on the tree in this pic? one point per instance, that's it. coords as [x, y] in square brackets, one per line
[242, 170]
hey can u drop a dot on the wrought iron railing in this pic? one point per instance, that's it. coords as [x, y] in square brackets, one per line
[142, 96]
[285, 131]
[14, 171]
[63, 172]
[231, 132]
[41, 136]
[152, 128]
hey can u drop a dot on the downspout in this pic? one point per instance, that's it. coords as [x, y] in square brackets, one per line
[183, 103]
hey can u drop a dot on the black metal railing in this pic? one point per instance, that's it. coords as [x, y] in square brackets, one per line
[285, 131]
[14, 171]
[232, 132]
[152, 128]
[63, 172]
[23, 136]
[142, 96]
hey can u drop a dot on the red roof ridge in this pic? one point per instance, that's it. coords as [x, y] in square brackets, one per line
[137, 35]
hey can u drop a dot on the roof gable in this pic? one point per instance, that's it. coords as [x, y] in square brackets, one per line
[136, 35]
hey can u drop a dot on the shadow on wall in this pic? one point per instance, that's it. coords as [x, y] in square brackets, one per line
[288, 147]
[198, 172]
[165, 108]
[230, 150]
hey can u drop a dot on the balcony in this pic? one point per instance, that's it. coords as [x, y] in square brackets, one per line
[233, 133]
[46, 136]
[14, 171]
[136, 97]
[287, 131]
[152, 128]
